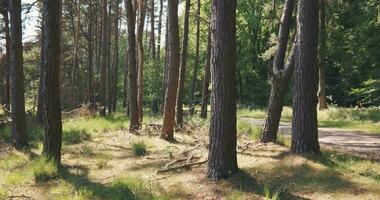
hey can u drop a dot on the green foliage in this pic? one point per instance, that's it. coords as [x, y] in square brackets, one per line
[87, 151]
[245, 128]
[75, 136]
[268, 194]
[44, 169]
[139, 148]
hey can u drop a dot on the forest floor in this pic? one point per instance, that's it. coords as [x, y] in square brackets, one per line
[354, 142]
[101, 160]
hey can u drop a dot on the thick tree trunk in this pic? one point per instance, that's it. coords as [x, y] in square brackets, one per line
[196, 62]
[280, 76]
[222, 161]
[159, 30]
[304, 123]
[181, 83]
[51, 87]
[7, 85]
[322, 58]
[19, 135]
[173, 72]
[104, 60]
[140, 47]
[134, 123]
[152, 34]
[206, 79]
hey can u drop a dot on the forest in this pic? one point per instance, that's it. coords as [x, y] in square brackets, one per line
[189, 99]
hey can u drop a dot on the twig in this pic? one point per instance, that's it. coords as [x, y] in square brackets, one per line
[5, 109]
[17, 196]
[180, 166]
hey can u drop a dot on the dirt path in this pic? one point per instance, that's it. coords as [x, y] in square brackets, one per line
[363, 145]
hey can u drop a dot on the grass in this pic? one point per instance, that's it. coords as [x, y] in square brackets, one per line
[269, 195]
[245, 128]
[139, 148]
[44, 170]
[86, 151]
[365, 120]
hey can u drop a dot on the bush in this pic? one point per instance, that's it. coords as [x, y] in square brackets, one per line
[139, 149]
[44, 169]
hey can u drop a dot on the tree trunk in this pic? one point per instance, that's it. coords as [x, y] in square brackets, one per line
[6, 100]
[152, 34]
[222, 161]
[166, 64]
[173, 72]
[103, 64]
[116, 57]
[280, 76]
[140, 47]
[206, 80]
[159, 30]
[304, 123]
[134, 123]
[181, 85]
[51, 87]
[322, 58]
[91, 94]
[196, 64]
[110, 68]
[40, 118]
[19, 135]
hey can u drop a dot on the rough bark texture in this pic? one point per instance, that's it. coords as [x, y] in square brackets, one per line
[40, 108]
[304, 123]
[134, 123]
[116, 56]
[322, 58]
[140, 47]
[206, 80]
[152, 34]
[103, 64]
[90, 38]
[6, 91]
[181, 83]
[19, 135]
[280, 77]
[51, 87]
[196, 62]
[222, 161]
[173, 71]
[159, 30]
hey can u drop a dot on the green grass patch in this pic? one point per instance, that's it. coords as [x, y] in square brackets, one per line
[139, 148]
[12, 161]
[87, 151]
[75, 136]
[44, 170]
[3, 193]
[245, 128]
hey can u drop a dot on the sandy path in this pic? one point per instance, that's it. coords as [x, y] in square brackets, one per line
[361, 144]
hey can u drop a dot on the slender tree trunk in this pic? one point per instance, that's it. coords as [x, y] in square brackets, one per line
[304, 123]
[159, 30]
[196, 65]
[91, 94]
[116, 57]
[280, 77]
[222, 161]
[134, 123]
[40, 118]
[173, 72]
[7, 84]
[75, 69]
[322, 59]
[181, 85]
[103, 64]
[51, 87]
[166, 64]
[140, 47]
[206, 80]
[19, 135]
[152, 34]
[110, 68]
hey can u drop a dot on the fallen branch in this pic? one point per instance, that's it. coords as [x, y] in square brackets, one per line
[180, 166]
[17, 196]
[8, 112]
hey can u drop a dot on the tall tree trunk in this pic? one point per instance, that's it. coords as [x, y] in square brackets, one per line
[110, 69]
[196, 65]
[75, 69]
[173, 72]
[181, 85]
[222, 161]
[126, 85]
[304, 123]
[159, 30]
[51, 90]
[40, 118]
[134, 123]
[280, 76]
[116, 57]
[206, 79]
[152, 34]
[166, 64]
[7, 86]
[19, 135]
[104, 60]
[322, 57]
[90, 38]
[140, 47]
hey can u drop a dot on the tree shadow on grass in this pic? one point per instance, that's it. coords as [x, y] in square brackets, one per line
[114, 191]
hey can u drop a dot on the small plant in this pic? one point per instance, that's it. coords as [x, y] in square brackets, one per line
[101, 164]
[75, 136]
[139, 149]
[268, 195]
[44, 170]
[87, 151]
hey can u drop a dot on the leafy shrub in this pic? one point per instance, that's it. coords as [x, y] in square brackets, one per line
[139, 149]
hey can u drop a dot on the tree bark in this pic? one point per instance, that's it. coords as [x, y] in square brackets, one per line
[140, 47]
[90, 44]
[322, 57]
[173, 72]
[116, 57]
[280, 77]
[159, 30]
[7, 87]
[181, 85]
[51, 87]
[206, 79]
[304, 123]
[40, 108]
[222, 161]
[19, 135]
[196, 65]
[104, 60]
[152, 34]
[134, 123]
